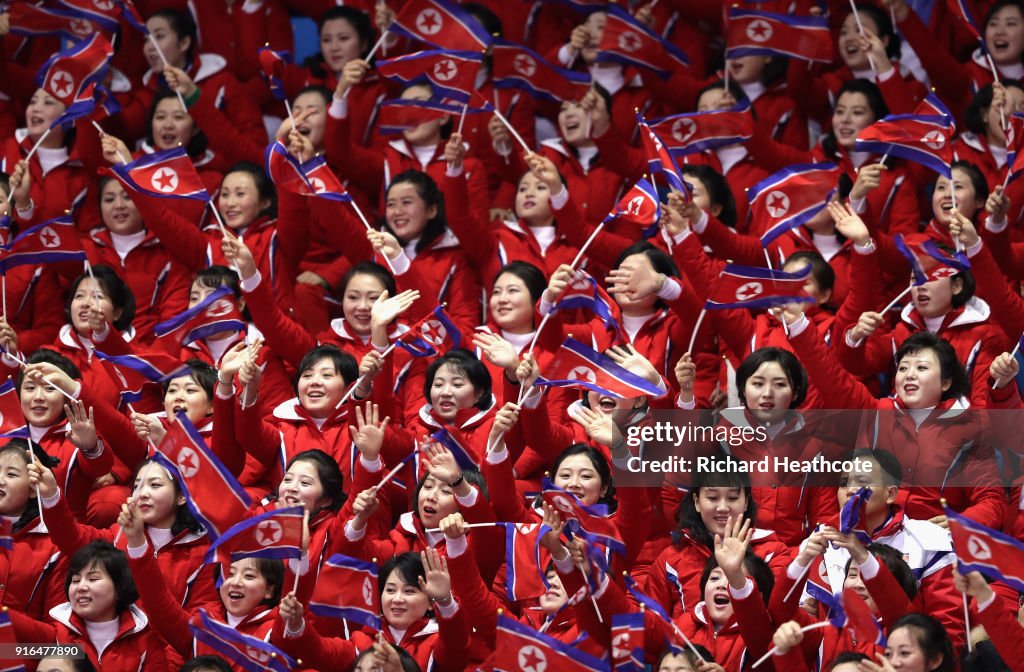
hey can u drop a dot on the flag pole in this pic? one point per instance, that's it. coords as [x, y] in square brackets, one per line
[593, 600]
[39, 498]
[897, 299]
[462, 117]
[696, 327]
[10, 196]
[771, 651]
[163, 59]
[362, 218]
[593, 235]
[515, 134]
[860, 29]
[995, 77]
[768, 258]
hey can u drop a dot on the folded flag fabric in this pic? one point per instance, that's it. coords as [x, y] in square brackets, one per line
[347, 588]
[752, 287]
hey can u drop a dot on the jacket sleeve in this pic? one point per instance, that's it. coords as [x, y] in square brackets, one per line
[190, 244]
[475, 598]
[1003, 629]
[888, 595]
[227, 138]
[117, 431]
[284, 335]
[950, 77]
[28, 629]
[67, 533]
[837, 387]
[260, 438]
[1007, 306]
[754, 621]
[630, 162]
[741, 248]
[165, 614]
[871, 355]
[225, 444]
[943, 601]
[501, 484]
[315, 651]
[365, 167]
[478, 239]
[451, 652]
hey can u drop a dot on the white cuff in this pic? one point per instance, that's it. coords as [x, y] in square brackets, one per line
[559, 200]
[566, 55]
[532, 400]
[252, 6]
[338, 108]
[400, 264]
[294, 634]
[543, 308]
[563, 565]
[50, 502]
[671, 290]
[852, 343]
[994, 226]
[470, 499]
[372, 467]
[251, 283]
[982, 606]
[27, 213]
[446, 611]
[886, 76]
[700, 225]
[686, 405]
[974, 249]
[137, 552]
[452, 170]
[353, 534]
[497, 456]
[866, 249]
[869, 568]
[744, 592]
[795, 570]
[456, 547]
[859, 205]
[216, 391]
[799, 326]
[602, 586]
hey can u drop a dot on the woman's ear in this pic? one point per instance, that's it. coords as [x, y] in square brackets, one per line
[431, 212]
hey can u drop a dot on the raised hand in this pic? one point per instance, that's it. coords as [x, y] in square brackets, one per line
[231, 362]
[997, 204]
[354, 71]
[131, 523]
[635, 280]
[497, 350]
[442, 464]
[148, 428]
[544, 169]
[45, 374]
[436, 582]
[21, 185]
[599, 426]
[8, 337]
[455, 151]
[731, 550]
[552, 540]
[385, 309]
[962, 229]
[179, 80]
[238, 255]
[81, 426]
[813, 548]
[368, 434]
[363, 507]
[686, 374]
[291, 612]
[453, 526]
[384, 243]
[1004, 368]
[849, 222]
[627, 357]
[560, 279]
[41, 477]
[787, 637]
[370, 367]
[972, 583]
[527, 372]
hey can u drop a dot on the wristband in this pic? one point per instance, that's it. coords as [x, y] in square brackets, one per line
[458, 481]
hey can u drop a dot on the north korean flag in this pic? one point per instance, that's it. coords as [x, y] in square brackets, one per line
[524, 576]
[52, 241]
[347, 588]
[275, 534]
[272, 65]
[1014, 146]
[593, 520]
[451, 73]
[960, 8]
[103, 13]
[215, 314]
[432, 335]
[576, 365]
[628, 642]
[513, 66]
[284, 170]
[853, 511]
[982, 549]
[441, 23]
[848, 611]
[165, 174]
[130, 14]
[922, 139]
[11, 416]
[68, 73]
[248, 652]
[134, 372]
[753, 33]
[685, 134]
[520, 648]
[396, 116]
[629, 42]
[450, 439]
[212, 494]
[639, 206]
[752, 287]
[916, 268]
[792, 196]
[35, 21]
[584, 292]
[659, 160]
[323, 182]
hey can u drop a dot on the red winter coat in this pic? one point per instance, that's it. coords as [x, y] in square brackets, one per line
[54, 191]
[32, 574]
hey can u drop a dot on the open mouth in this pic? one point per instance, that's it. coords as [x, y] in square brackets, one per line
[236, 595]
[607, 404]
[910, 388]
[998, 45]
[83, 601]
[305, 131]
[721, 600]
[429, 511]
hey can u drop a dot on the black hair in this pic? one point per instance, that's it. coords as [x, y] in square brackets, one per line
[206, 662]
[975, 115]
[358, 19]
[114, 563]
[202, 374]
[820, 269]
[5, 182]
[116, 289]
[661, 262]
[77, 664]
[197, 144]
[884, 27]
[735, 90]
[465, 363]
[325, 94]
[47, 356]
[371, 268]
[931, 636]
[327, 470]
[344, 363]
[717, 187]
[406, 661]
[531, 276]
[692, 659]
[472, 476]
[427, 190]
[847, 657]
[891, 469]
[217, 276]
[604, 95]
[183, 518]
[264, 187]
[20, 448]
[996, 7]
[409, 567]
[488, 19]
[757, 569]
[601, 466]
[786, 360]
[897, 566]
[977, 179]
[876, 102]
[183, 25]
[950, 367]
[688, 517]
[273, 573]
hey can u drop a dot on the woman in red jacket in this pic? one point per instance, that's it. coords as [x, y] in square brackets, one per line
[100, 614]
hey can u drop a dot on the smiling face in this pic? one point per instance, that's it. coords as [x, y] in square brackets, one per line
[171, 125]
[301, 486]
[555, 597]
[43, 109]
[402, 603]
[239, 200]
[339, 44]
[174, 49]
[511, 304]
[851, 115]
[436, 500]
[119, 213]
[768, 392]
[533, 201]
[186, 395]
[855, 583]
[406, 212]
[849, 47]
[451, 391]
[157, 496]
[90, 293]
[717, 604]
[244, 588]
[715, 505]
[919, 382]
[1004, 35]
[42, 405]
[312, 126]
[321, 387]
[576, 474]
[675, 662]
[92, 594]
[15, 490]
[942, 197]
[572, 124]
[357, 302]
[904, 652]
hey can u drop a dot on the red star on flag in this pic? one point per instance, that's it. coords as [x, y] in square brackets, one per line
[164, 179]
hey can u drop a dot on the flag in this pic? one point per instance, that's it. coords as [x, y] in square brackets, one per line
[441, 23]
[645, 600]
[215, 314]
[513, 66]
[106, 103]
[103, 13]
[284, 170]
[981, 549]
[347, 588]
[35, 21]
[951, 265]
[576, 365]
[853, 511]
[628, 642]
[524, 575]
[323, 182]
[396, 116]
[432, 335]
[659, 160]
[11, 416]
[450, 73]
[1014, 145]
[130, 14]
[83, 105]
[136, 371]
[5, 232]
[639, 206]
[932, 106]
[68, 73]
[791, 197]
[520, 648]
[272, 69]
[686, 134]
[165, 174]
[753, 287]
[584, 292]
[212, 494]
[52, 241]
[753, 33]
[593, 520]
[960, 9]
[275, 534]
[920, 277]
[924, 139]
[848, 611]
[448, 439]
[248, 652]
[629, 42]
